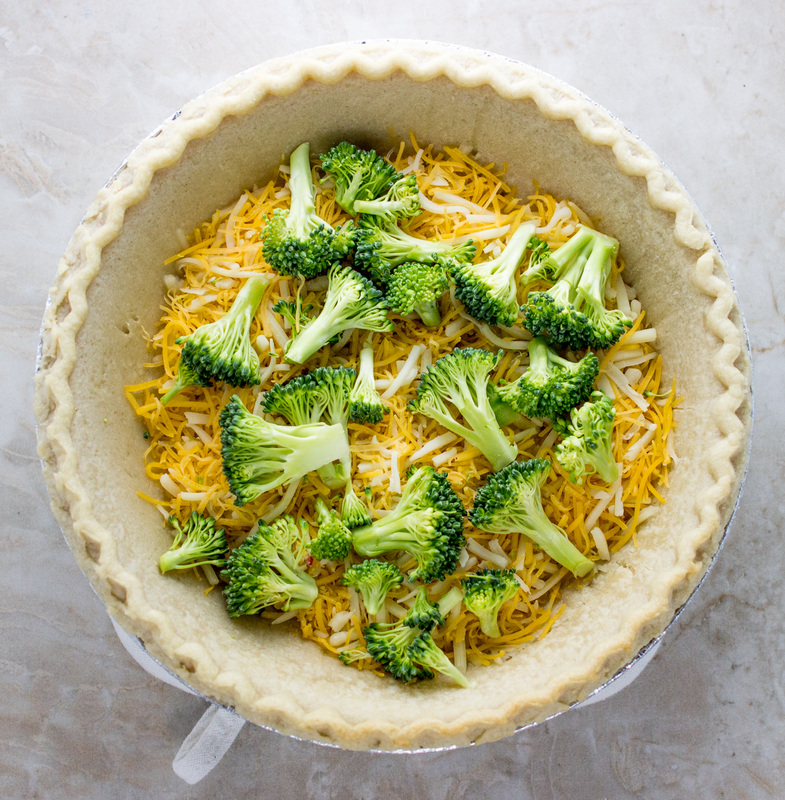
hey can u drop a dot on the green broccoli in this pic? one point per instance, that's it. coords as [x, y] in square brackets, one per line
[572, 312]
[401, 200]
[417, 287]
[427, 523]
[552, 385]
[195, 544]
[259, 455]
[373, 579]
[485, 592]
[266, 570]
[365, 404]
[367, 184]
[539, 252]
[381, 246]
[354, 512]
[222, 350]
[358, 174]
[461, 379]
[351, 302]
[294, 313]
[298, 242]
[318, 396]
[510, 502]
[488, 289]
[334, 540]
[406, 650]
[587, 446]
[423, 614]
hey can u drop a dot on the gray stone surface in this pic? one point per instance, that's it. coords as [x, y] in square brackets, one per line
[81, 83]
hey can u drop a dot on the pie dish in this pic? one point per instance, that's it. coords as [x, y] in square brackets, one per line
[110, 286]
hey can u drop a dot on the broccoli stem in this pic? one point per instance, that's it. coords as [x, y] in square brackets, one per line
[591, 287]
[429, 313]
[311, 338]
[396, 531]
[550, 538]
[237, 320]
[302, 210]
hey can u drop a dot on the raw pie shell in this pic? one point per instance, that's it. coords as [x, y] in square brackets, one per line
[109, 287]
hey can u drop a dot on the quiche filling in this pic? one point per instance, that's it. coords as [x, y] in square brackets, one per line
[460, 201]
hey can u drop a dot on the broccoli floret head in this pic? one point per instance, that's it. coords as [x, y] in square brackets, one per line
[427, 523]
[186, 376]
[587, 446]
[373, 579]
[408, 651]
[196, 543]
[485, 592]
[354, 512]
[572, 312]
[334, 540]
[222, 350]
[401, 200]
[266, 570]
[351, 302]
[423, 614]
[510, 502]
[294, 313]
[260, 455]
[488, 289]
[298, 242]
[461, 379]
[381, 246]
[321, 395]
[358, 174]
[365, 403]
[417, 287]
[552, 385]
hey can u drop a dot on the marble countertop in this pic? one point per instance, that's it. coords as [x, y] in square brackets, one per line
[82, 83]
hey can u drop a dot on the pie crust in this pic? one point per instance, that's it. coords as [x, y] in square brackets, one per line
[109, 286]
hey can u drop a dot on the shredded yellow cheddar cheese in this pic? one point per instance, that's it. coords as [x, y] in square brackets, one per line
[461, 199]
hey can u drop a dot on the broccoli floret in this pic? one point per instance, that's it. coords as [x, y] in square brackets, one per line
[485, 592]
[461, 379]
[318, 396]
[406, 650]
[365, 403]
[298, 242]
[488, 289]
[351, 302]
[266, 570]
[186, 376]
[354, 512]
[552, 385]
[423, 614]
[587, 446]
[401, 200]
[510, 502]
[381, 246]
[572, 312]
[334, 540]
[195, 544]
[417, 287]
[259, 455]
[427, 523]
[222, 350]
[297, 316]
[373, 579]
[358, 174]
[367, 184]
